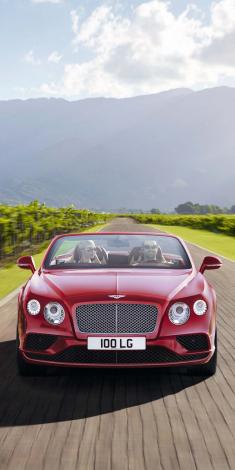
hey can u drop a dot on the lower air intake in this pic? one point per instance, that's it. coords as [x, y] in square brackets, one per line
[196, 342]
[81, 355]
[39, 342]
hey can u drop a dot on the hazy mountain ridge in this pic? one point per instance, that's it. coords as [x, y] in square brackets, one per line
[149, 151]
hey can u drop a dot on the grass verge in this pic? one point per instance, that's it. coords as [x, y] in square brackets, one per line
[12, 277]
[223, 245]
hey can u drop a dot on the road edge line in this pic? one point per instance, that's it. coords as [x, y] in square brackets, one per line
[10, 296]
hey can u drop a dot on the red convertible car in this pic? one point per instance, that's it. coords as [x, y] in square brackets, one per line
[117, 300]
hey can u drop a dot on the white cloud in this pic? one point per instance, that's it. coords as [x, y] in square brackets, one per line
[54, 57]
[223, 17]
[149, 51]
[179, 183]
[220, 48]
[93, 26]
[74, 19]
[30, 58]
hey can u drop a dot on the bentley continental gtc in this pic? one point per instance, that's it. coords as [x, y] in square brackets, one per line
[117, 300]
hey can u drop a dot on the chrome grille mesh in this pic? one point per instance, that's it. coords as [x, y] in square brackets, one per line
[116, 318]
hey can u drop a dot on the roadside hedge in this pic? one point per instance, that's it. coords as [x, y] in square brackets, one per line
[215, 223]
[24, 226]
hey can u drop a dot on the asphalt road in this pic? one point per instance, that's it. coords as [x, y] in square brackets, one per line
[121, 420]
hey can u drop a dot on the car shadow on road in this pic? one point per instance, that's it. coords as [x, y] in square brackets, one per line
[68, 394]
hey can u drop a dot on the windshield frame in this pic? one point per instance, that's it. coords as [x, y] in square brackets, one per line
[50, 252]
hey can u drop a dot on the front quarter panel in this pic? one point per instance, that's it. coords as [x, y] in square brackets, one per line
[37, 324]
[198, 288]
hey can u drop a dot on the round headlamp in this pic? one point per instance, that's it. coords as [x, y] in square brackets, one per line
[54, 313]
[200, 307]
[33, 307]
[179, 313]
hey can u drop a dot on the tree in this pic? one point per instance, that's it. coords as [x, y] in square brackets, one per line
[185, 208]
[191, 208]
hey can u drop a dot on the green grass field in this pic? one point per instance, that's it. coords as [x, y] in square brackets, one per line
[12, 277]
[223, 245]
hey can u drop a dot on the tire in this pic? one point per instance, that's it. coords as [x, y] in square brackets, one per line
[24, 368]
[208, 369]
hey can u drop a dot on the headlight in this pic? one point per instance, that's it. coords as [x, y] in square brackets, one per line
[54, 313]
[179, 313]
[200, 307]
[33, 307]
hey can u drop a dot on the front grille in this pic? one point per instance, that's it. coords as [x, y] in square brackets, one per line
[82, 355]
[38, 342]
[116, 318]
[198, 342]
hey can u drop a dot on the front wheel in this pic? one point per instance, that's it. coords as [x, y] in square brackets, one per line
[208, 369]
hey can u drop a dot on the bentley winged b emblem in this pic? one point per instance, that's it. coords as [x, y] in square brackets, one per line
[116, 296]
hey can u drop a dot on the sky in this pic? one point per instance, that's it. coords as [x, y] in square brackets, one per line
[77, 49]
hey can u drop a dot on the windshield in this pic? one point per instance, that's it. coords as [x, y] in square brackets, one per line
[115, 251]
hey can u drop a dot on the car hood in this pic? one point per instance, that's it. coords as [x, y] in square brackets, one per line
[98, 285]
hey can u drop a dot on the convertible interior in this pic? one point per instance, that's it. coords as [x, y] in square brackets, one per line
[119, 259]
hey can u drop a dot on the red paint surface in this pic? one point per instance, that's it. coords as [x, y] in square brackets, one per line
[160, 287]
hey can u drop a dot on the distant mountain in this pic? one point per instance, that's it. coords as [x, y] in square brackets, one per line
[149, 151]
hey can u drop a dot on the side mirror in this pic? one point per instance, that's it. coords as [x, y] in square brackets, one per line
[210, 262]
[26, 262]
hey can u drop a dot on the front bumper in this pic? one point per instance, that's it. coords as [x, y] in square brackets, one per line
[169, 351]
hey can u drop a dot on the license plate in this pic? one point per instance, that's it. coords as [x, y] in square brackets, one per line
[116, 343]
